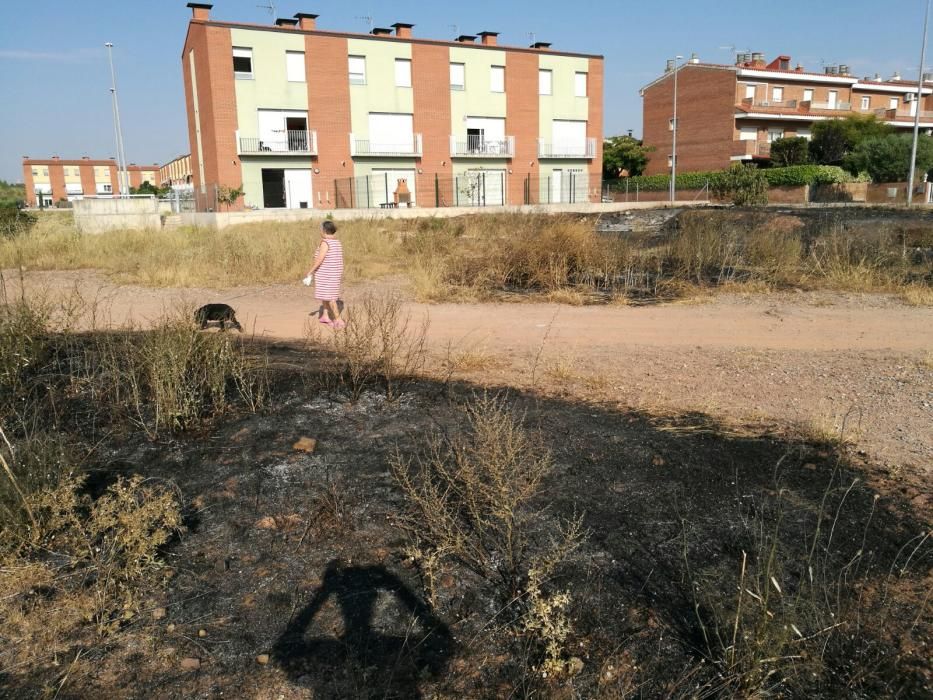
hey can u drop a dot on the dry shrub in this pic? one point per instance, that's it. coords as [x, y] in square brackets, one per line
[774, 254]
[827, 614]
[470, 496]
[842, 258]
[917, 294]
[702, 251]
[85, 562]
[381, 342]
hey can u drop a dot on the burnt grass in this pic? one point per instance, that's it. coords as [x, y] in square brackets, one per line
[294, 555]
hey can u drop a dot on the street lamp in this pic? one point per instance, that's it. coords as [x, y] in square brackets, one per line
[674, 141]
[917, 110]
[122, 175]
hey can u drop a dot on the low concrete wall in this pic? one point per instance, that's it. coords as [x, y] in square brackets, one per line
[234, 218]
[99, 215]
[795, 194]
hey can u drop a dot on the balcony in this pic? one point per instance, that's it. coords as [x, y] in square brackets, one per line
[482, 147]
[567, 149]
[409, 147]
[298, 143]
[898, 115]
[751, 149]
[829, 106]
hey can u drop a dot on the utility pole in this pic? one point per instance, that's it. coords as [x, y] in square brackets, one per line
[917, 104]
[122, 175]
[674, 139]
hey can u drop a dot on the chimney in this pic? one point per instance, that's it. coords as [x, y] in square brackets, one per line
[85, 157]
[843, 69]
[402, 30]
[758, 60]
[489, 38]
[896, 77]
[284, 22]
[669, 66]
[877, 77]
[465, 39]
[927, 78]
[381, 31]
[306, 21]
[200, 10]
[694, 59]
[54, 157]
[541, 45]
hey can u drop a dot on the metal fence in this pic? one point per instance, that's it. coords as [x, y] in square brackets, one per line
[479, 188]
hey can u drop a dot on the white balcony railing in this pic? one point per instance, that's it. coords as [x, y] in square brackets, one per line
[287, 142]
[403, 147]
[482, 147]
[781, 104]
[840, 106]
[567, 149]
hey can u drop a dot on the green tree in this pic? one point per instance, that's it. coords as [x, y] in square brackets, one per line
[624, 153]
[790, 151]
[745, 185]
[833, 139]
[148, 188]
[887, 158]
[12, 194]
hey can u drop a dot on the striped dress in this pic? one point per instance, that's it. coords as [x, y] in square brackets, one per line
[328, 280]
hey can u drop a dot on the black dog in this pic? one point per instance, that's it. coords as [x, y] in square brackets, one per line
[222, 313]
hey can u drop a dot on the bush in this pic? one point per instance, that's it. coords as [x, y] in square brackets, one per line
[790, 151]
[15, 222]
[887, 158]
[745, 185]
[795, 175]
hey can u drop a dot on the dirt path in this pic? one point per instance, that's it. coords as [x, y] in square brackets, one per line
[790, 359]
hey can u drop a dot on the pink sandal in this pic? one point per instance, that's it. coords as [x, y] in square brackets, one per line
[325, 320]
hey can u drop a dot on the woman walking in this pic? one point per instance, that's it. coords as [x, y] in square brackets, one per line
[328, 275]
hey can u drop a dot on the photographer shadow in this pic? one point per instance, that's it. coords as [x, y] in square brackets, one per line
[362, 661]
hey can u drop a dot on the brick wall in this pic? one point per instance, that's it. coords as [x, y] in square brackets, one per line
[594, 128]
[430, 77]
[327, 69]
[57, 178]
[88, 184]
[29, 185]
[521, 119]
[706, 113]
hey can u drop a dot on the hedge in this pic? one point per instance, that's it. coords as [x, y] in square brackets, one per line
[793, 176]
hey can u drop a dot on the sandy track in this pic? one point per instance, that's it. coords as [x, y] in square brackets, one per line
[788, 359]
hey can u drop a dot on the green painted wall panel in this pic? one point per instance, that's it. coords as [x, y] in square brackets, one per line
[270, 87]
[379, 94]
[476, 100]
[562, 102]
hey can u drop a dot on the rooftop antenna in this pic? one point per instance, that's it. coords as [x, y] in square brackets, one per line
[368, 19]
[270, 7]
[455, 28]
[532, 37]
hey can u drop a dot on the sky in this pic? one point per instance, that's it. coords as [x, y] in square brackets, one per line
[55, 80]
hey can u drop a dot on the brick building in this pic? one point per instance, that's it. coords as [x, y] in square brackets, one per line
[51, 181]
[176, 173]
[303, 117]
[733, 113]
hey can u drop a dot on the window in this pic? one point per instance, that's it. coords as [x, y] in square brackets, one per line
[892, 103]
[775, 133]
[833, 98]
[777, 94]
[670, 124]
[108, 188]
[544, 82]
[45, 172]
[748, 133]
[391, 133]
[497, 79]
[295, 66]
[402, 72]
[866, 104]
[804, 134]
[750, 91]
[670, 161]
[568, 138]
[457, 76]
[808, 95]
[357, 70]
[242, 63]
[579, 84]
[35, 172]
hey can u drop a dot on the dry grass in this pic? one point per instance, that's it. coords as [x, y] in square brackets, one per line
[917, 295]
[481, 257]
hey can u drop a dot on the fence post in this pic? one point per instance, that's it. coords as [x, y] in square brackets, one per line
[626, 190]
[369, 201]
[483, 188]
[636, 191]
[437, 192]
[504, 198]
[387, 187]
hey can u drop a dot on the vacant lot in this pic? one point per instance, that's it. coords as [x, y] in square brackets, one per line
[726, 496]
